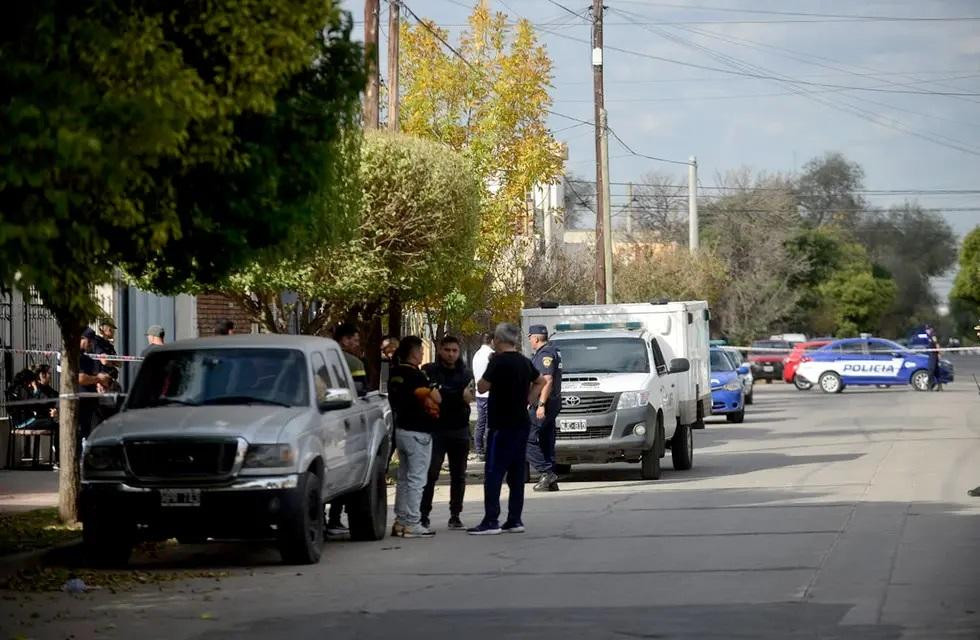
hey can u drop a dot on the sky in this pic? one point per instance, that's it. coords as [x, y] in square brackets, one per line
[681, 80]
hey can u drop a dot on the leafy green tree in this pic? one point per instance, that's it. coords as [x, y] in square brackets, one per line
[827, 190]
[966, 288]
[493, 109]
[856, 295]
[168, 140]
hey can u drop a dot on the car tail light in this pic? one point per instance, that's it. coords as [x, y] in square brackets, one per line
[805, 359]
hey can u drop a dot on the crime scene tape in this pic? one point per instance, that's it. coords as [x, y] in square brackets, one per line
[764, 350]
[94, 356]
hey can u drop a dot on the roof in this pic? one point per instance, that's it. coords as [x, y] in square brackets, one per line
[250, 340]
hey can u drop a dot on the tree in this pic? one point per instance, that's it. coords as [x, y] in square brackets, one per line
[645, 272]
[660, 205]
[827, 190]
[856, 295]
[751, 229]
[965, 296]
[577, 203]
[492, 107]
[146, 136]
[561, 275]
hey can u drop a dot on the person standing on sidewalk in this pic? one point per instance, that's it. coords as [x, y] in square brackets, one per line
[480, 361]
[513, 383]
[415, 404]
[453, 436]
[543, 411]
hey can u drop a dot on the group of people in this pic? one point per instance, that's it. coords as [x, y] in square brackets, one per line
[517, 402]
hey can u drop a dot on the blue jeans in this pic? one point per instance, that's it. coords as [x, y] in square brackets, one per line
[480, 434]
[541, 442]
[414, 454]
[506, 451]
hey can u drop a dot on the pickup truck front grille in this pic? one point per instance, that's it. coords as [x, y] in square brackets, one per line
[576, 404]
[590, 434]
[181, 458]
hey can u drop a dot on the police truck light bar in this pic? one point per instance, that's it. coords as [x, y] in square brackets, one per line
[592, 326]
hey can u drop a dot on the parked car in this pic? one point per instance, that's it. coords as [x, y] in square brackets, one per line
[793, 361]
[237, 437]
[727, 393]
[748, 380]
[869, 362]
[766, 359]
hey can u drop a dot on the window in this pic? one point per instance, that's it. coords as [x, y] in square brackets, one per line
[321, 377]
[720, 361]
[603, 355]
[337, 371]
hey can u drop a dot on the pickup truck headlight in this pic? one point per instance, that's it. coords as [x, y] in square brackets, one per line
[104, 458]
[633, 399]
[269, 455]
[733, 385]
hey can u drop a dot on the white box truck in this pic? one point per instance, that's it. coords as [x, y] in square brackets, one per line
[635, 380]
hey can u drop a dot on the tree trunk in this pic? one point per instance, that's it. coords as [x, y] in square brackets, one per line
[69, 478]
[394, 314]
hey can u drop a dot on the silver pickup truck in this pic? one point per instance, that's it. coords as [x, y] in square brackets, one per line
[237, 437]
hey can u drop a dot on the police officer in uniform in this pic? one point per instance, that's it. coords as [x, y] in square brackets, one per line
[543, 412]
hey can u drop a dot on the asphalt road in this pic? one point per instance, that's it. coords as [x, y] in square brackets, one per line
[821, 516]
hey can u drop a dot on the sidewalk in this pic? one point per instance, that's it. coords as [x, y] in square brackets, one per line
[23, 490]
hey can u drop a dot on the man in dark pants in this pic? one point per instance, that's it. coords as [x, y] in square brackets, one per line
[513, 383]
[453, 435]
[544, 410]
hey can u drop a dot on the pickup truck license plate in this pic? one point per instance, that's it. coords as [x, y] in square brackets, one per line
[180, 497]
[572, 426]
[768, 368]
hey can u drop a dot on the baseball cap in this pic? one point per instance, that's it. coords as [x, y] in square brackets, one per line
[537, 330]
[106, 320]
[155, 331]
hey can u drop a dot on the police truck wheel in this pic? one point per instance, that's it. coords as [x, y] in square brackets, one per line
[801, 384]
[920, 380]
[682, 448]
[301, 531]
[830, 382]
[367, 510]
[650, 461]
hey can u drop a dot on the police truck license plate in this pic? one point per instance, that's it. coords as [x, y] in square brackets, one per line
[180, 497]
[768, 368]
[571, 426]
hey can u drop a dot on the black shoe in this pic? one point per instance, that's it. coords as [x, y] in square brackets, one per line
[513, 527]
[455, 524]
[424, 522]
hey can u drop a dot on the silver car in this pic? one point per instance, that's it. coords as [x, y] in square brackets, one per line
[237, 437]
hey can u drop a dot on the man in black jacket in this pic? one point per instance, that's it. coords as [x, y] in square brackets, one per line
[453, 435]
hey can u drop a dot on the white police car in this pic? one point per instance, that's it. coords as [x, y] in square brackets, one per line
[869, 362]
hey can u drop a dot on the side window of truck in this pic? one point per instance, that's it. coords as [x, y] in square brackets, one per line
[321, 378]
[337, 371]
[658, 358]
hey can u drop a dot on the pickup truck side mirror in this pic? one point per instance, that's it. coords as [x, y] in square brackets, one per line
[743, 370]
[336, 399]
[679, 365]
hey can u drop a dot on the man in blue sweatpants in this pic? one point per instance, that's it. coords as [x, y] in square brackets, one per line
[512, 382]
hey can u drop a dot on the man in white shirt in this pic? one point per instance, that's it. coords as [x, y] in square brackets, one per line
[480, 361]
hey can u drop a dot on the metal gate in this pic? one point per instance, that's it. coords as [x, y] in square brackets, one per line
[26, 324]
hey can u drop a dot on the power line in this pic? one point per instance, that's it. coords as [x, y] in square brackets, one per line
[754, 188]
[566, 9]
[642, 155]
[801, 14]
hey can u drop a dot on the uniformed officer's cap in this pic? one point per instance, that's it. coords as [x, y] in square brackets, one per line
[538, 330]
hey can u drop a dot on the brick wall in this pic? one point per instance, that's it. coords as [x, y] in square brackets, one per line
[212, 307]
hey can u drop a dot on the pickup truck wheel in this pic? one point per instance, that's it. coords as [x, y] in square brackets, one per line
[367, 510]
[301, 531]
[107, 540]
[650, 461]
[737, 417]
[682, 448]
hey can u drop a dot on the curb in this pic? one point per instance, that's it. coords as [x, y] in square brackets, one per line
[10, 565]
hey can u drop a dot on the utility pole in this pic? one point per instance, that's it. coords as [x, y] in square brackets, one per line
[607, 229]
[693, 241]
[601, 169]
[371, 96]
[394, 7]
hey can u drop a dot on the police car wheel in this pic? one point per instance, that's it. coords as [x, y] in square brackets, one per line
[920, 380]
[801, 384]
[830, 382]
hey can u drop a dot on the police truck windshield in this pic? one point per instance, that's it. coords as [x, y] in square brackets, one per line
[604, 355]
[196, 377]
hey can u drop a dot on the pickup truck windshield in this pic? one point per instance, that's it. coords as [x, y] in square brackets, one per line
[604, 355]
[197, 377]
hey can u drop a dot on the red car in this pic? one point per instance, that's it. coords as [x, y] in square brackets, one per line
[793, 361]
[766, 358]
